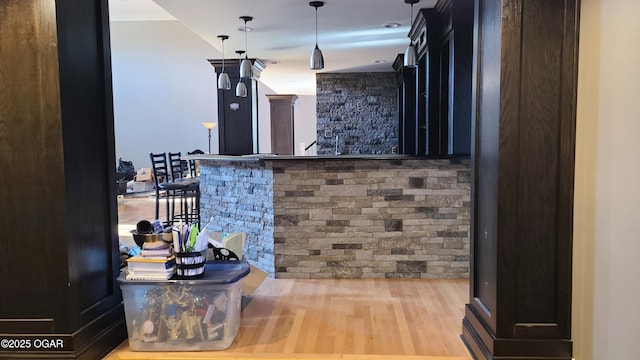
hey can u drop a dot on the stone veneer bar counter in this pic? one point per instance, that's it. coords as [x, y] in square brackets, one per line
[376, 216]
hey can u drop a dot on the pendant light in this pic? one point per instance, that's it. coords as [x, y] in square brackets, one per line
[224, 83]
[410, 57]
[245, 65]
[241, 88]
[317, 60]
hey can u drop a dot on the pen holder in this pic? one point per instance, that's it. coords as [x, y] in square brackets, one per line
[190, 265]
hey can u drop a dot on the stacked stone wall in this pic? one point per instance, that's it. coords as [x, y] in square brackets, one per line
[371, 218]
[238, 196]
[361, 109]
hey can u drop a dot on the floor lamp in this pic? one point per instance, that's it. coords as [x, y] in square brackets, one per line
[209, 126]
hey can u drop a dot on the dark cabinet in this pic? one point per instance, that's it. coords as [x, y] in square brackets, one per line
[60, 256]
[435, 97]
[238, 116]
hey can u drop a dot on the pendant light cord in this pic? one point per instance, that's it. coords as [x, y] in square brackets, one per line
[245, 39]
[316, 26]
[223, 55]
[411, 18]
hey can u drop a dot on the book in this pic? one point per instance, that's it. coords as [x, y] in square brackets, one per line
[155, 245]
[158, 263]
[164, 252]
[150, 274]
[132, 276]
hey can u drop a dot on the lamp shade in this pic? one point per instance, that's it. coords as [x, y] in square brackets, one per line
[209, 125]
[245, 69]
[241, 89]
[317, 60]
[410, 57]
[224, 83]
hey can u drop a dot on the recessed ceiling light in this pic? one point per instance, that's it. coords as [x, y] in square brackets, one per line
[249, 29]
[380, 61]
[275, 62]
[392, 25]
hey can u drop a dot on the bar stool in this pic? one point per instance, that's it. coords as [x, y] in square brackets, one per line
[189, 194]
[194, 171]
[166, 189]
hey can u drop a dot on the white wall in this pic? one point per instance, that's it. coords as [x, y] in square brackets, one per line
[305, 121]
[607, 192]
[163, 89]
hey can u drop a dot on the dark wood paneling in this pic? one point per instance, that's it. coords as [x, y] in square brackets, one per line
[444, 117]
[484, 225]
[462, 68]
[398, 66]
[422, 146]
[538, 161]
[87, 113]
[410, 124]
[32, 170]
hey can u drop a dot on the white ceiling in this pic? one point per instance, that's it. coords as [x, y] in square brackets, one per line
[351, 33]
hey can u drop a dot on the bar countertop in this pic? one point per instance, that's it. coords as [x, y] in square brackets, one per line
[273, 157]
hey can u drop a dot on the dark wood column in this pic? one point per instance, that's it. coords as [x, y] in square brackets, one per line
[60, 256]
[238, 116]
[282, 123]
[523, 171]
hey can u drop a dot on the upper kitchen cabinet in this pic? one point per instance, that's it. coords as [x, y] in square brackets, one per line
[435, 97]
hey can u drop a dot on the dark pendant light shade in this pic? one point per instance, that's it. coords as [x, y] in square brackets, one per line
[224, 83]
[410, 56]
[317, 60]
[245, 65]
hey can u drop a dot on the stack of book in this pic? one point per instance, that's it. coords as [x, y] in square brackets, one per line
[155, 262]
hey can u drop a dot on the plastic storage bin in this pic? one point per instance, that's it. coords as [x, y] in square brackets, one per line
[185, 315]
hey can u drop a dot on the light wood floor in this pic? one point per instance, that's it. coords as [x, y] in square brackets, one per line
[335, 319]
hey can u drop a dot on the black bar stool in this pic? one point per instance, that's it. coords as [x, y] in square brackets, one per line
[189, 194]
[167, 189]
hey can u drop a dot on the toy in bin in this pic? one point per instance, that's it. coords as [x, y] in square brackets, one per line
[226, 246]
[187, 314]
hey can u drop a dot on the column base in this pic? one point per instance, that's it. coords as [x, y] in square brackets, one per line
[484, 345]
